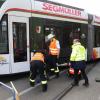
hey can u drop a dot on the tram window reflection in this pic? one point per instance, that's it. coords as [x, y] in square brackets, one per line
[4, 35]
[97, 35]
[19, 42]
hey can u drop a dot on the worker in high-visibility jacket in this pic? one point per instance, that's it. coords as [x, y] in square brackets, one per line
[54, 51]
[38, 68]
[77, 58]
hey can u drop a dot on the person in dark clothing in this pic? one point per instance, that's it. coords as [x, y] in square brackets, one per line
[38, 68]
[77, 59]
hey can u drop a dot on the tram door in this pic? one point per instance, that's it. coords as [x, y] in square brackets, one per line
[19, 44]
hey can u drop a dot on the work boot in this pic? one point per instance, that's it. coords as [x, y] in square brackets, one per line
[75, 84]
[86, 84]
[44, 87]
[32, 84]
[48, 78]
[57, 75]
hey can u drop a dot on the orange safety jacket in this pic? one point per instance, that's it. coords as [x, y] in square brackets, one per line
[53, 47]
[38, 56]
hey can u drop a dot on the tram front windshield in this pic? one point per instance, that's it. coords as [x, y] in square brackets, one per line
[1, 2]
[4, 35]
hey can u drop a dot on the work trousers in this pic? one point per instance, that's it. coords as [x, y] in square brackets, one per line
[53, 67]
[76, 78]
[37, 68]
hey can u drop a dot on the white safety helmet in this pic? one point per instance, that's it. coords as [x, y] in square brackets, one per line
[50, 36]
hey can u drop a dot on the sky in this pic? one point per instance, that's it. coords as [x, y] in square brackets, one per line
[90, 6]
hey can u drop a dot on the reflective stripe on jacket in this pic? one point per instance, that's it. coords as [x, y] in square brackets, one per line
[38, 56]
[78, 52]
[53, 47]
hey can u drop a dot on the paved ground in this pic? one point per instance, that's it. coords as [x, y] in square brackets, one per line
[86, 93]
[55, 87]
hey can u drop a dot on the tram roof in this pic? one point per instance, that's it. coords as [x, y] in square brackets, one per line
[61, 4]
[43, 7]
[30, 5]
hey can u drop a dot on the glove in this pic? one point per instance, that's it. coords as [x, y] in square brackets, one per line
[69, 64]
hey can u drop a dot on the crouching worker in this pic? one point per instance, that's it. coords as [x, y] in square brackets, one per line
[38, 68]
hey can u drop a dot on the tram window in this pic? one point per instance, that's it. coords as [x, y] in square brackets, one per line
[4, 35]
[19, 42]
[76, 30]
[36, 33]
[97, 36]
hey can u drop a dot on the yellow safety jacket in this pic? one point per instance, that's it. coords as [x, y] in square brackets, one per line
[38, 56]
[53, 47]
[78, 52]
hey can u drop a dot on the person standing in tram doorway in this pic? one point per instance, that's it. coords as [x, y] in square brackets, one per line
[54, 51]
[38, 68]
[78, 62]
